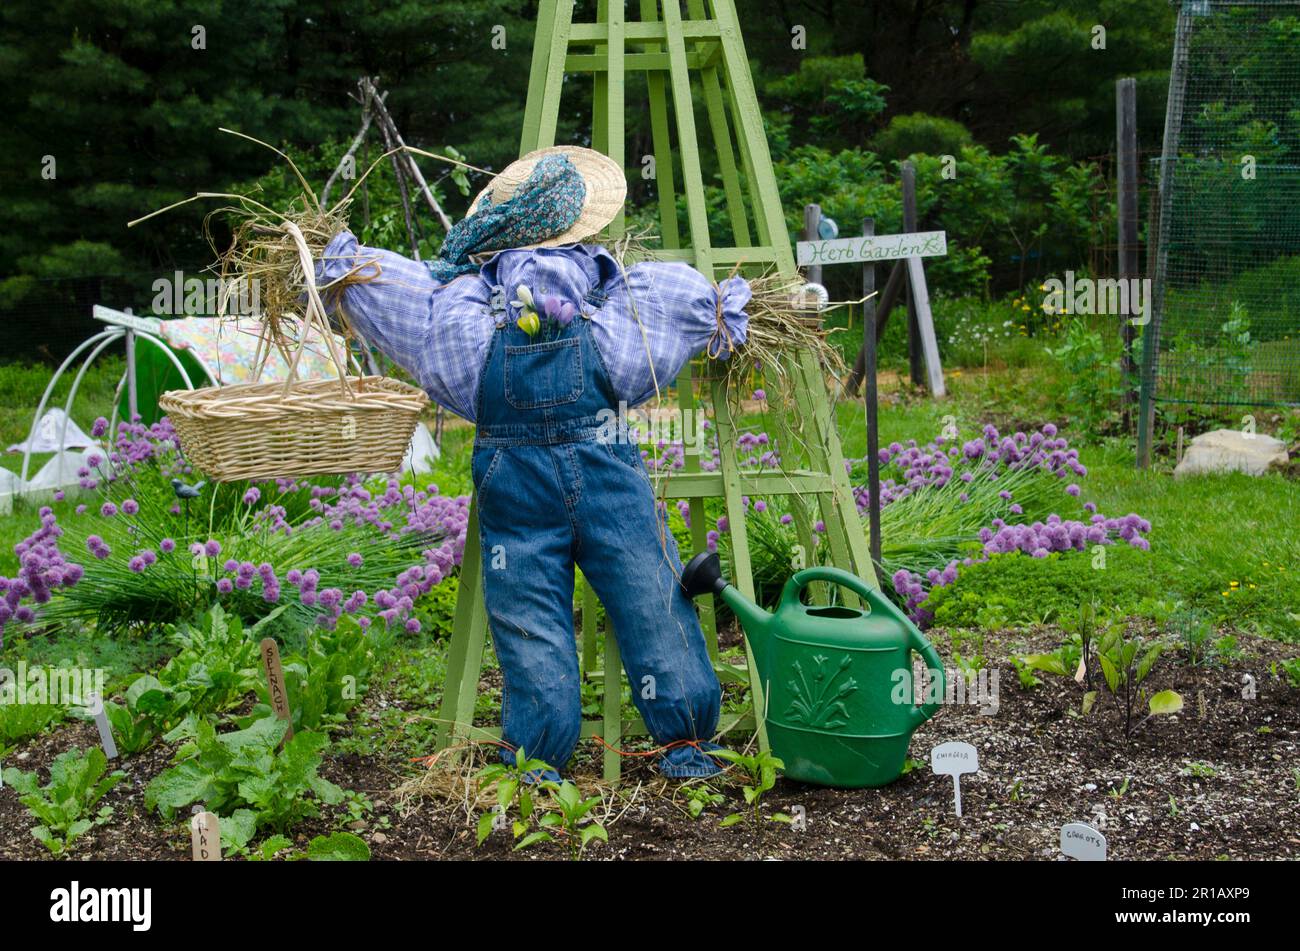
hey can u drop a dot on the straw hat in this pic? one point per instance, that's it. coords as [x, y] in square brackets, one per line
[606, 190]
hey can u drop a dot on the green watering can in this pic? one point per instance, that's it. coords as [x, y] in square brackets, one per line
[840, 708]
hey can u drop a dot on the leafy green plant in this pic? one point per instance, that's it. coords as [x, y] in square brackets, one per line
[335, 847]
[969, 661]
[1025, 674]
[217, 664]
[1126, 661]
[1197, 635]
[516, 784]
[569, 814]
[327, 679]
[1291, 668]
[700, 796]
[760, 771]
[65, 805]
[245, 778]
[1089, 379]
[21, 721]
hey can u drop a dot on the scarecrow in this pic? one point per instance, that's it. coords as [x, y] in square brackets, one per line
[544, 343]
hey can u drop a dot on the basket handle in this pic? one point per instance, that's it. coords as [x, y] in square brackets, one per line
[315, 315]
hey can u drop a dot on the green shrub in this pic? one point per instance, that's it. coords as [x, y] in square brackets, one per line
[1015, 588]
[920, 133]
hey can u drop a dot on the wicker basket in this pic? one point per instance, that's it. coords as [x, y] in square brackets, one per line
[255, 431]
[298, 427]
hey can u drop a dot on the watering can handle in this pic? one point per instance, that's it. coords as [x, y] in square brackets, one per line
[879, 602]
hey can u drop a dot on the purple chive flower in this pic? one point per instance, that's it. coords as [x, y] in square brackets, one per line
[252, 495]
[108, 510]
[99, 427]
[224, 586]
[1072, 489]
[130, 506]
[355, 559]
[412, 625]
[760, 394]
[212, 548]
[167, 545]
[230, 564]
[294, 577]
[136, 564]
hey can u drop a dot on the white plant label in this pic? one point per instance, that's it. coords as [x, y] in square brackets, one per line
[95, 704]
[955, 760]
[1083, 842]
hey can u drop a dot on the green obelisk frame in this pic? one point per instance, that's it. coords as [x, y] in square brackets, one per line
[681, 58]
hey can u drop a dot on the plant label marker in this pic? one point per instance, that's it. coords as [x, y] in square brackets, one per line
[95, 704]
[1083, 842]
[954, 759]
[275, 684]
[205, 834]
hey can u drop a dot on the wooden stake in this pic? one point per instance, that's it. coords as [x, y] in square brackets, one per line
[871, 395]
[205, 837]
[1126, 183]
[275, 685]
[812, 217]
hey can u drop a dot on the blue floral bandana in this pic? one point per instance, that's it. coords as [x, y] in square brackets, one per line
[548, 203]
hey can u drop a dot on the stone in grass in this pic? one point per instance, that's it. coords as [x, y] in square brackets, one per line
[1229, 450]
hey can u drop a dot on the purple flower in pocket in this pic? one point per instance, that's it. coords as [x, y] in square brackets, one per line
[560, 311]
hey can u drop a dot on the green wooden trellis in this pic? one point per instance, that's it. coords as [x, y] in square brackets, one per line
[670, 50]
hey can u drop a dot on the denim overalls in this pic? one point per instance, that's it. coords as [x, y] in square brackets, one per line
[557, 485]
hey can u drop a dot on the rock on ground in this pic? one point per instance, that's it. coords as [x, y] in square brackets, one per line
[1229, 450]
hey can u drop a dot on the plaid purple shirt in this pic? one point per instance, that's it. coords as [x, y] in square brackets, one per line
[646, 325]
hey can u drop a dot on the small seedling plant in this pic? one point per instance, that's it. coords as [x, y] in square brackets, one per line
[569, 814]
[516, 785]
[759, 770]
[700, 796]
[560, 811]
[1126, 661]
[65, 806]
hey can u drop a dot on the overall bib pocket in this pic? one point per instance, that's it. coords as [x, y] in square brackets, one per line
[543, 374]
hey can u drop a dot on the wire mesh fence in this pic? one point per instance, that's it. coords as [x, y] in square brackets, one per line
[1226, 326]
[46, 318]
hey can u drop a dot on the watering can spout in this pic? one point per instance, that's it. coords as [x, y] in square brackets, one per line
[703, 575]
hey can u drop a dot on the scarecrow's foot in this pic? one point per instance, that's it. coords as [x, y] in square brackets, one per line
[690, 762]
